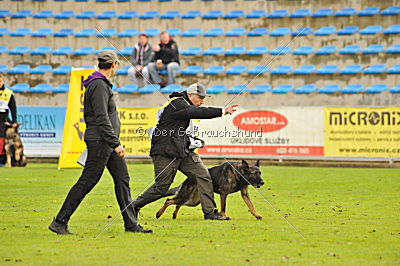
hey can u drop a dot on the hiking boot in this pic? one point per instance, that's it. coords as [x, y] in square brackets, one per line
[215, 215]
[59, 228]
[138, 229]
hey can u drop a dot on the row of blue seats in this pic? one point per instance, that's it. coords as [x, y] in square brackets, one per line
[196, 32]
[40, 88]
[213, 14]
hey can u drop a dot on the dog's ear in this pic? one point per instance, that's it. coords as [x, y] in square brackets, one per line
[245, 164]
[257, 163]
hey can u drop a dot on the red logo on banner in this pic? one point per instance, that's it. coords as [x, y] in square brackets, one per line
[264, 121]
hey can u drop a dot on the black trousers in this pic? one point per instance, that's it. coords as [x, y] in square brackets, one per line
[100, 155]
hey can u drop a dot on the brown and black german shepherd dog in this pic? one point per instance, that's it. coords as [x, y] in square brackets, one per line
[14, 148]
[227, 178]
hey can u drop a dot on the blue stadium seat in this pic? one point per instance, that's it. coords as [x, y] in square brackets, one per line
[174, 32]
[236, 70]
[280, 32]
[376, 88]
[394, 29]
[172, 88]
[126, 51]
[67, 14]
[62, 70]
[394, 69]
[374, 49]
[123, 70]
[348, 30]
[326, 50]
[191, 51]
[353, 88]
[213, 14]
[391, 11]
[107, 15]
[20, 88]
[322, 13]
[19, 50]
[214, 32]
[371, 30]
[281, 89]
[280, 50]
[44, 14]
[304, 50]
[20, 69]
[41, 69]
[131, 88]
[328, 70]
[236, 32]
[258, 70]
[259, 50]
[329, 89]
[150, 15]
[257, 32]
[128, 33]
[280, 13]
[64, 50]
[4, 31]
[22, 14]
[257, 14]
[351, 70]
[325, 31]
[395, 89]
[86, 50]
[394, 49]
[64, 33]
[216, 89]
[214, 70]
[150, 88]
[281, 70]
[306, 89]
[302, 31]
[305, 70]
[238, 89]
[214, 51]
[170, 15]
[3, 49]
[3, 68]
[300, 13]
[63, 88]
[350, 49]
[4, 13]
[86, 15]
[20, 32]
[41, 88]
[237, 50]
[191, 14]
[234, 14]
[192, 70]
[105, 48]
[260, 89]
[192, 32]
[346, 12]
[85, 33]
[42, 33]
[375, 69]
[152, 32]
[107, 33]
[128, 15]
[369, 11]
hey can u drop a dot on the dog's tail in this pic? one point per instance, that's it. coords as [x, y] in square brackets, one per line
[173, 191]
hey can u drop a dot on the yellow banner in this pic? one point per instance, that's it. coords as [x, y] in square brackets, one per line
[362, 131]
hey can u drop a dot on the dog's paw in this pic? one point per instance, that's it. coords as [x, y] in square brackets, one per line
[158, 215]
[258, 216]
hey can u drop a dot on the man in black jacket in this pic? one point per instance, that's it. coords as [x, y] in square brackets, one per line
[166, 57]
[172, 148]
[103, 147]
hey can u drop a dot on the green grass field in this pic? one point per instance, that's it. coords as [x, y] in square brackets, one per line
[348, 216]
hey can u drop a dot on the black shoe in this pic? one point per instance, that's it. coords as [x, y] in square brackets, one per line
[138, 229]
[215, 215]
[59, 228]
[162, 84]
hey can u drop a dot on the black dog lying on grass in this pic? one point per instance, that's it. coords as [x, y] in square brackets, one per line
[227, 178]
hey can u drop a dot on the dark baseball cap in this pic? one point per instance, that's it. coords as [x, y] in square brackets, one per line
[107, 56]
[197, 88]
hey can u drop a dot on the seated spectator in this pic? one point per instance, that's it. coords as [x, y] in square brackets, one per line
[166, 57]
[141, 56]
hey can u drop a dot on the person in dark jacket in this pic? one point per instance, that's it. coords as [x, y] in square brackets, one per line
[166, 57]
[103, 148]
[142, 55]
[7, 104]
[172, 150]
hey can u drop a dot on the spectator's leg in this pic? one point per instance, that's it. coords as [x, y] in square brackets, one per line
[154, 73]
[146, 75]
[132, 75]
[172, 68]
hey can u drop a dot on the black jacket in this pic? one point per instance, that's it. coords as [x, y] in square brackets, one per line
[100, 111]
[12, 107]
[168, 52]
[169, 138]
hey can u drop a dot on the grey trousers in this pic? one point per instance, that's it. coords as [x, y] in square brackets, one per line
[165, 170]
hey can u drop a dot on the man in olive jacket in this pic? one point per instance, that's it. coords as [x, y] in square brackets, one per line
[170, 149]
